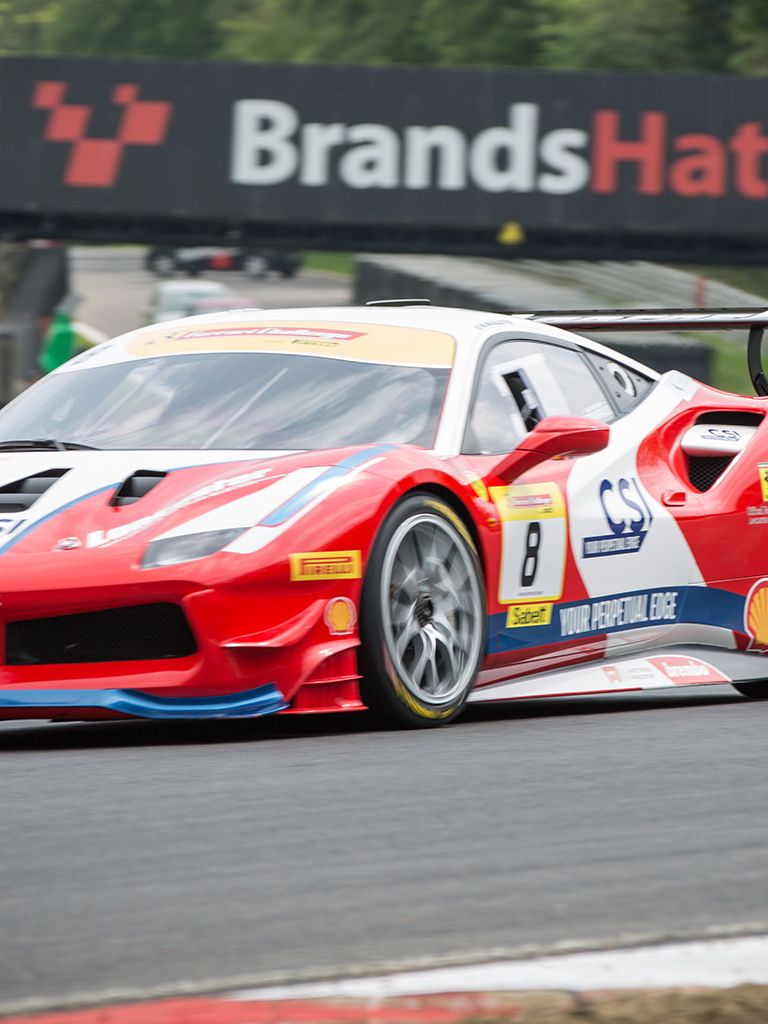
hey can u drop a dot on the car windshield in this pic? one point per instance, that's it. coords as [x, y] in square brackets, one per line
[233, 400]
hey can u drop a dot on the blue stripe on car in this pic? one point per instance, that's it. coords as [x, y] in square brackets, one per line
[312, 490]
[264, 700]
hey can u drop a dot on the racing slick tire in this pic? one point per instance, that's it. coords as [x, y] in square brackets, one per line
[422, 617]
[755, 691]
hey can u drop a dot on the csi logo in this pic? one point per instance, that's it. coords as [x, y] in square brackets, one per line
[628, 518]
[624, 506]
[723, 434]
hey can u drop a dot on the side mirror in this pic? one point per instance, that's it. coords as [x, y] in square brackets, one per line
[552, 436]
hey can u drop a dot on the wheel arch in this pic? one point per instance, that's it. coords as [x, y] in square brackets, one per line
[456, 505]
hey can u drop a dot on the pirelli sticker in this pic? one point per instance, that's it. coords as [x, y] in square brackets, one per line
[318, 565]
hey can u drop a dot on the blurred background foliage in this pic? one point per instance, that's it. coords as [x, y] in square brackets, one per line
[723, 36]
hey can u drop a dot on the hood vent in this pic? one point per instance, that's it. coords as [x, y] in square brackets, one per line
[22, 494]
[136, 486]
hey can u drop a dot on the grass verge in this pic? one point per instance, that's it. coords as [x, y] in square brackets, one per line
[335, 262]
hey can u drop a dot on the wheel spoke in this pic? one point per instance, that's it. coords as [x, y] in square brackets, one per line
[421, 663]
[433, 685]
[434, 608]
[409, 633]
[447, 640]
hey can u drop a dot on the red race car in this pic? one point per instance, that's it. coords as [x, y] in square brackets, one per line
[393, 506]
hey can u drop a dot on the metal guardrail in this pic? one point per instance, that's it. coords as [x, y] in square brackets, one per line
[638, 281]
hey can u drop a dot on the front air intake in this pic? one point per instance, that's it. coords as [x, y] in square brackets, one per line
[137, 633]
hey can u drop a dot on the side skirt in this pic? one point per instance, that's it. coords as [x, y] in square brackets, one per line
[663, 668]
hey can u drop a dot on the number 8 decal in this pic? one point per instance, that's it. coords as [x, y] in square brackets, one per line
[531, 559]
[534, 539]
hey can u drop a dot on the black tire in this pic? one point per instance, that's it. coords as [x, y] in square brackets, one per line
[162, 261]
[422, 628]
[755, 691]
[255, 266]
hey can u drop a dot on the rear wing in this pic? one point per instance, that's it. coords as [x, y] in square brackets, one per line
[751, 319]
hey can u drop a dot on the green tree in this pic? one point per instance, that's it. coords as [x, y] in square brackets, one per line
[631, 35]
[503, 33]
[22, 25]
[141, 28]
[326, 31]
[710, 34]
[750, 37]
[495, 32]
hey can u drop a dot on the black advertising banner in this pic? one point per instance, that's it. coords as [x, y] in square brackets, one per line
[337, 152]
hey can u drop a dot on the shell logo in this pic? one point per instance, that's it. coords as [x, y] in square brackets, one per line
[756, 614]
[340, 616]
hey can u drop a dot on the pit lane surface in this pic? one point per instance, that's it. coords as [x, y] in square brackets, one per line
[145, 856]
[137, 856]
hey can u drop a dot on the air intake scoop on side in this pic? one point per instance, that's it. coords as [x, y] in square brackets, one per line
[136, 486]
[712, 439]
[22, 494]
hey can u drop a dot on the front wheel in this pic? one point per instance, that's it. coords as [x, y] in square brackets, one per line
[422, 616]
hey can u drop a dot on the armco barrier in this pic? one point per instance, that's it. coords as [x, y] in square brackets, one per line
[492, 285]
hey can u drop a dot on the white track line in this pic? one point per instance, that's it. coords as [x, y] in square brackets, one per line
[717, 963]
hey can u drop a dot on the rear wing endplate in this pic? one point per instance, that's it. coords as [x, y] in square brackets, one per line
[751, 319]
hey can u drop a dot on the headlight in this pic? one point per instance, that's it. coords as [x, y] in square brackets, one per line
[172, 550]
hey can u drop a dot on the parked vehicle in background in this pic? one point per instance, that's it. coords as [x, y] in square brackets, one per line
[221, 304]
[173, 299]
[165, 261]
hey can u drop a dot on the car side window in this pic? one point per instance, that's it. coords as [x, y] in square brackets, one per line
[624, 384]
[521, 382]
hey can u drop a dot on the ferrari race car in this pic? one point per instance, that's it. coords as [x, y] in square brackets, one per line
[394, 506]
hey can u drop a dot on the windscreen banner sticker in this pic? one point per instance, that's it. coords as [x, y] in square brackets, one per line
[298, 333]
[534, 540]
[628, 518]
[367, 343]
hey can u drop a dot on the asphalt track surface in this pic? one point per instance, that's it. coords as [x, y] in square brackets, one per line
[147, 856]
[138, 856]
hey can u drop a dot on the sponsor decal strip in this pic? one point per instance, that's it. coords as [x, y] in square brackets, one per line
[613, 613]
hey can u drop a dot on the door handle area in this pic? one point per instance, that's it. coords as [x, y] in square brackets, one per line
[674, 498]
